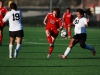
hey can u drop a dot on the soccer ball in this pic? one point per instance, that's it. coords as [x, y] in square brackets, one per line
[64, 33]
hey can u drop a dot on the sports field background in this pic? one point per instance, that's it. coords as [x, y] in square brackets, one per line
[32, 56]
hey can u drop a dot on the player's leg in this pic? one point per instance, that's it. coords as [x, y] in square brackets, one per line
[66, 28]
[51, 47]
[72, 43]
[69, 31]
[19, 37]
[86, 46]
[12, 40]
[48, 34]
[54, 35]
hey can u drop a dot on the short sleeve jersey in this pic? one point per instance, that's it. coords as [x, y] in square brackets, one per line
[67, 18]
[53, 22]
[14, 17]
[80, 25]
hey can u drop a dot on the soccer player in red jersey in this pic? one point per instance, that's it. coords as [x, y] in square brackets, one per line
[67, 21]
[53, 25]
[3, 11]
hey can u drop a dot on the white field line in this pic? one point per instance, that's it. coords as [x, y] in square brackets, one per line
[37, 43]
[69, 39]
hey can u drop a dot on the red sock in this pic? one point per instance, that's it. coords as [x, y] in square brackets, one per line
[0, 38]
[50, 49]
[49, 39]
[69, 33]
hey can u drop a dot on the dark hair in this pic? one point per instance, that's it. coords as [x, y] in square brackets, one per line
[58, 12]
[13, 6]
[68, 8]
[82, 12]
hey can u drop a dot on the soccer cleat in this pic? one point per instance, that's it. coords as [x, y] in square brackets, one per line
[15, 54]
[62, 56]
[10, 56]
[94, 52]
[48, 56]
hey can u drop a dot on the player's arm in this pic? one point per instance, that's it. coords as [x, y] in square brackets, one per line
[6, 17]
[44, 21]
[87, 22]
[60, 25]
[63, 19]
[5, 11]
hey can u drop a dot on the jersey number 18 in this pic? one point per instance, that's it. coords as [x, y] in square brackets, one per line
[16, 16]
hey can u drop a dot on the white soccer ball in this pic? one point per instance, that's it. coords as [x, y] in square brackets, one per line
[63, 33]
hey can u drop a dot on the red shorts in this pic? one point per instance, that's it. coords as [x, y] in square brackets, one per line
[53, 31]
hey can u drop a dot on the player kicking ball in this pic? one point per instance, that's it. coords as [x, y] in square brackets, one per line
[53, 24]
[80, 36]
[15, 29]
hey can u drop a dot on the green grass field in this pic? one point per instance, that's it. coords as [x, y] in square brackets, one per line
[32, 56]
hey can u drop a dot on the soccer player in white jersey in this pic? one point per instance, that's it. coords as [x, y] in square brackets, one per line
[80, 33]
[15, 29]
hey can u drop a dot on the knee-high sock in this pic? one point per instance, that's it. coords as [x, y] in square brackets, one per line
[18, 47]
[10, 49]
[49, 39]
[50, 49]
[69, 33]
[67, 51]
[89, 47]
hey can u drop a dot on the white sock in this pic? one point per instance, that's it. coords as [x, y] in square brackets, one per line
[89, 47]
[10, 49]
[18, 47]
[67, 51]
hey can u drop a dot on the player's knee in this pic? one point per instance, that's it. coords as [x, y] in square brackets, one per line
[82, 45]
[70, 45]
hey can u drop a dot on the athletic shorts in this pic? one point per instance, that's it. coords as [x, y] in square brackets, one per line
[81, 36]
[15, 34]
[53, 32]
[1, 28]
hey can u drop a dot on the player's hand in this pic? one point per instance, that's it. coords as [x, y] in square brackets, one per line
[44, 23]
[88, 20]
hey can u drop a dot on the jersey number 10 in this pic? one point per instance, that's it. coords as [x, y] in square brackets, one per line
[16, 16]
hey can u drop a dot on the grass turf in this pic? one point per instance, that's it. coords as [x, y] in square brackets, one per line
[32, 56]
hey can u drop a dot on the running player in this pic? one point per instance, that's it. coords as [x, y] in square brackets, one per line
[3, 11]
[53, 24]
[67, 21]
[80, 36]
[15, 29]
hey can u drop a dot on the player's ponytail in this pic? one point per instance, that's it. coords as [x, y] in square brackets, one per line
[88, 12]
[83, 12]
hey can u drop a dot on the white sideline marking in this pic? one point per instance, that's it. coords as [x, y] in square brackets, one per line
[69, 39]
[37, 43]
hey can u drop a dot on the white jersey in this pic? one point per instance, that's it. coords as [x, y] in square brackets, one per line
[14, 17]
[80, 25]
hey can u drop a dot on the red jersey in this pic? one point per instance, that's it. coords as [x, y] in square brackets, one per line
[3, 11]
[67, 18]
[53, 22]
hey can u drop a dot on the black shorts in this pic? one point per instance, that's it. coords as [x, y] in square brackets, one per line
[1, 28]
[14, 34]
[81, 36]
